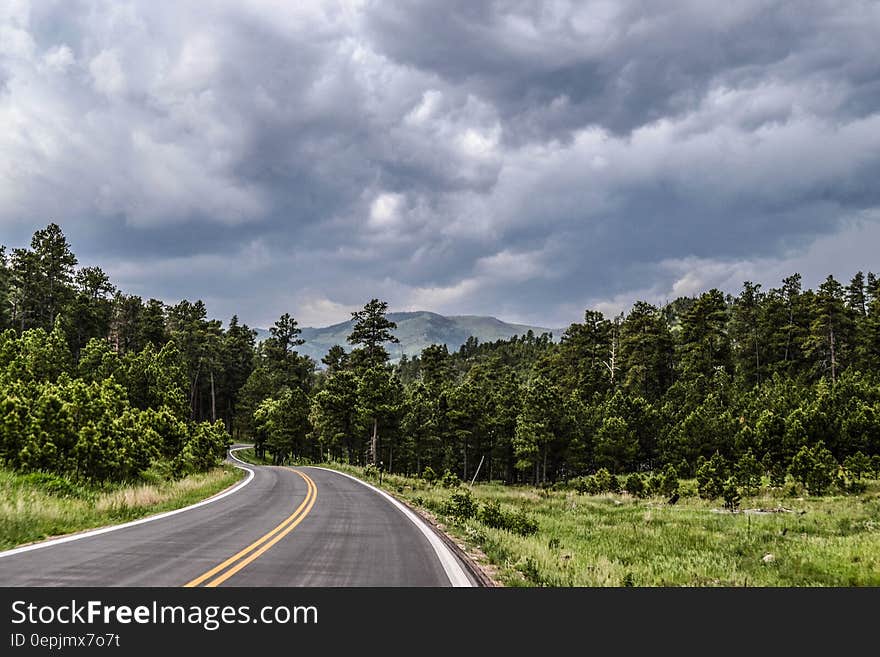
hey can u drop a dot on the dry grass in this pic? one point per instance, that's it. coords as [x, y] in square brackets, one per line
[32, 509]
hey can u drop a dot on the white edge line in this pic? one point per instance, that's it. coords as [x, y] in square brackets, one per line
[451, 566]
[141, 521]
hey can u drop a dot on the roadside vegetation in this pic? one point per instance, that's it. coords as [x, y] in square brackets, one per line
[763, 400]
[558, 536]
[36, 506]
[249, 456]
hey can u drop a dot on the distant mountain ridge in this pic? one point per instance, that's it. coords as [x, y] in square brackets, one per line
[417, 330]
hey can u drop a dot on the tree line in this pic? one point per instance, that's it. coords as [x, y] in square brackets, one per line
[98, 385]
[705, 385]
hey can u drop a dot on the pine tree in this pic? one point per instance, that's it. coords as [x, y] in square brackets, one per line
[55, 268]
[583, 349]
[745, 331]
[646, 347]
[372, 329]
[335, 360]
[830, 336]
[705, 345]
[334, 418]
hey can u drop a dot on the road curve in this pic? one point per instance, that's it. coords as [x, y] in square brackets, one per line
[299, 526]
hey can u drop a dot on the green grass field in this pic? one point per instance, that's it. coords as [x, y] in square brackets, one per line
[618, 540]
[34, 507]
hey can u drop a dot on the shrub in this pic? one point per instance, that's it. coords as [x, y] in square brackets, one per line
[602, 480]
[429, 475]
[731, 494]
[747, 473]
[776, 471]
[585, 485]
[53, 484]
[814, 468]
[449, 479]
[614, 484]
[492, 515]
[635, 485]
[857, 465]
[461, 505]
[711, 477]
[522, 524]
[204, 449]
[667, 483]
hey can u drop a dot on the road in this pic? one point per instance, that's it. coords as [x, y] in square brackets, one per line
[299, 526]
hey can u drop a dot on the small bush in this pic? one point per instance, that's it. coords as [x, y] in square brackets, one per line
[492, 515]
[529, 569]
[635, 485]
[585, 485]
[857, 465]
[777, 474]
[614, 484]
[814, 468]
[747, 473]
[731, 494]
[711, 477]
[523, 524]
[461, 505]
[429, 475]
[667, 484]
[603, 481]
[450, 479]
[53, 484]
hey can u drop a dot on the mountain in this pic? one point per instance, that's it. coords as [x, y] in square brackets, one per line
[417, 330]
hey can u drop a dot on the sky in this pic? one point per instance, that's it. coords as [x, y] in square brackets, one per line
[526, 160]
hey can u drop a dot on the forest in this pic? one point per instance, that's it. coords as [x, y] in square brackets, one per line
[779, 383]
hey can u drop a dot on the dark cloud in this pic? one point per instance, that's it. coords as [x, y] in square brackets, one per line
[513, 158]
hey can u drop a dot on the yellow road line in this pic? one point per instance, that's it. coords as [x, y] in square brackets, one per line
[256, 555]
[285, 527]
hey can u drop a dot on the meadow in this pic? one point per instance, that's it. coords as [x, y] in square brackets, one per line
[778, 537]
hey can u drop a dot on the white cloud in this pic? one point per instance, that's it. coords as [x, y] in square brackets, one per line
[320, 311]
[386, 211]
[107, 74]
[59, 58]
[426, 108]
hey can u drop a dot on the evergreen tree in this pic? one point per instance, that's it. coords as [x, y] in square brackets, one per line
[747, 335]
[646, 350]
[372, 329]
[830, 336]
[705, 345]
[334, 418]
[335, 360]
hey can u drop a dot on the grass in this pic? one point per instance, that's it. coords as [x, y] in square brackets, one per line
[619, 540]
[37, 506]
[249, 456]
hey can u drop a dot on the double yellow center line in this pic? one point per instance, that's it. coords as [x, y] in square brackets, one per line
[236, 562]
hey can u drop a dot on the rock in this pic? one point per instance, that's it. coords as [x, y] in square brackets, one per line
[768, 558]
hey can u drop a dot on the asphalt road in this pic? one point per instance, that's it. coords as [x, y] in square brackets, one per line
[297, 526]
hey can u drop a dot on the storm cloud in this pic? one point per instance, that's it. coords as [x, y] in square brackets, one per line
[520, 159]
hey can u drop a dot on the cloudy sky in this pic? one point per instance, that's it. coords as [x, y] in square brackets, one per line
[514, 158]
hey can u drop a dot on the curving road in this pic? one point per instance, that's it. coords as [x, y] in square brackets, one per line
[299, 526]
